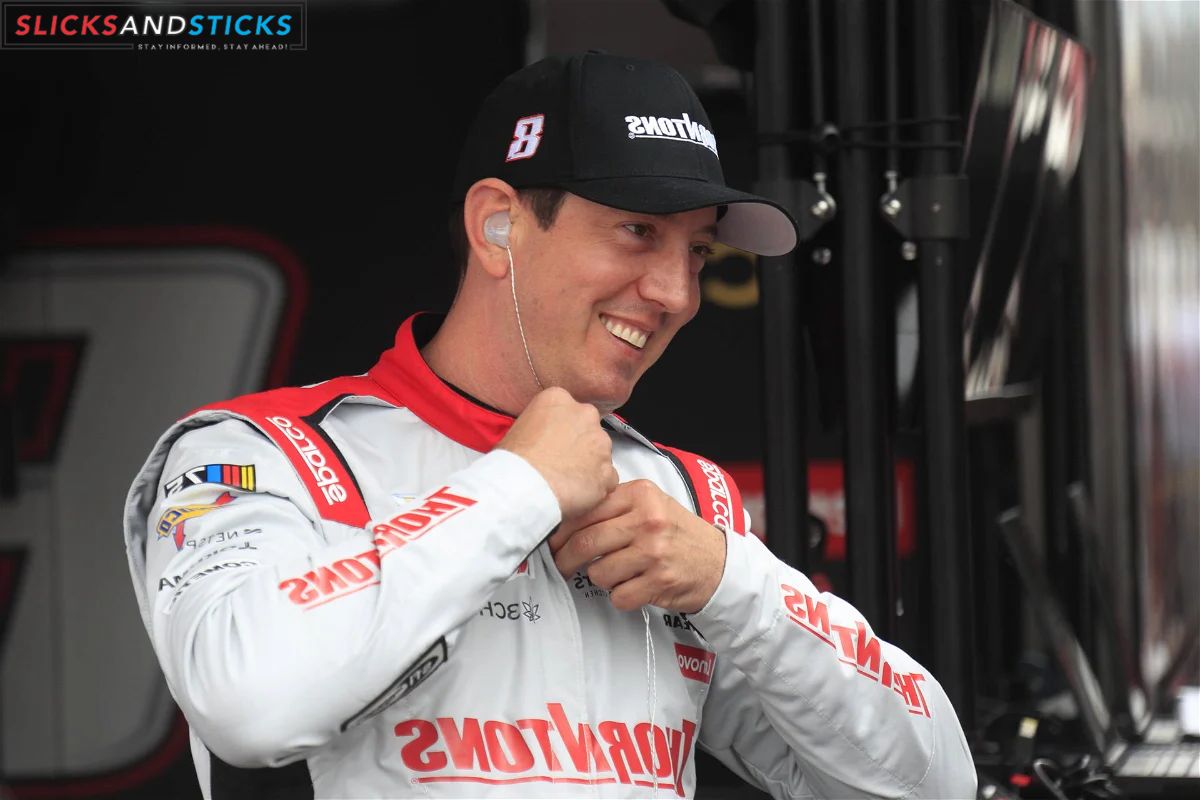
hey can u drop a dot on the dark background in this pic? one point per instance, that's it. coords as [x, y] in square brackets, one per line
[344, 154]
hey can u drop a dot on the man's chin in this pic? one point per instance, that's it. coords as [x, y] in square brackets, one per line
[606, 392]
[609, 400]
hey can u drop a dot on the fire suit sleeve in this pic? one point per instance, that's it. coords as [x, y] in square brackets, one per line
[275, 632]
[807, 701]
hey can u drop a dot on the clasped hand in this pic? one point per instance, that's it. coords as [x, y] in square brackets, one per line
[632, 539]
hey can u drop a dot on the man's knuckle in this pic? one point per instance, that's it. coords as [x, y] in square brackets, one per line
[587, 541]
[647, 492]
[598, 575]
[652, 519]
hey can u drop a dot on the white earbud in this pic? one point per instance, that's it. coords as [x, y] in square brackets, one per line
[496, 228]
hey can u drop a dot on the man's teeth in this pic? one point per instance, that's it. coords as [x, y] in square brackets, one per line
[626, 333]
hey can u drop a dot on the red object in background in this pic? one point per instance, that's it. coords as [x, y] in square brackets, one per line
[37, 375]
[1020, 780]
[827, 500]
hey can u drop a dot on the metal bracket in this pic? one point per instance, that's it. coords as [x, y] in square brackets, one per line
[814, 206]
[929, 207]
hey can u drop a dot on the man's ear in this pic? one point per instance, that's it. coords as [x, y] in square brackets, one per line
[484, 199]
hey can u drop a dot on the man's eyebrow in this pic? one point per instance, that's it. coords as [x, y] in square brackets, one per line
[711, 230]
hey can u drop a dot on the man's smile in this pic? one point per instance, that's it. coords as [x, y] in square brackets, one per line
[626, 332]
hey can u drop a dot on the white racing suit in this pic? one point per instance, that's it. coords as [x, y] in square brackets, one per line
[348, 584]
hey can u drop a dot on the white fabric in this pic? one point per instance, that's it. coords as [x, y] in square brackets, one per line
[536, 667]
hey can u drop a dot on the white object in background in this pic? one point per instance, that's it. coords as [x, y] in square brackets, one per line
[1189, 710]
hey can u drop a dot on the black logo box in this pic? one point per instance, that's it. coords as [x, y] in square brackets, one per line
[97, 25]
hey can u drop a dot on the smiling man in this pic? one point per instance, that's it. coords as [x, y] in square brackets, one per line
[460, 575]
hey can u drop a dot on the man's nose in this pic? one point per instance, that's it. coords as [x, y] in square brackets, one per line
[669, 284]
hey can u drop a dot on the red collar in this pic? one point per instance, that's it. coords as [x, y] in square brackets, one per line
[403, 374]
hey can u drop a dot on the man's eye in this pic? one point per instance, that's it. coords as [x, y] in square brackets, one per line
[638, 229]
[703, 250]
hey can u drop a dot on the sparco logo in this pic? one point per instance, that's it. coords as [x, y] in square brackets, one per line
[695, 663]
[425, 665]
[682, 128]
[550, 749]
[324, 475]
[719, 491]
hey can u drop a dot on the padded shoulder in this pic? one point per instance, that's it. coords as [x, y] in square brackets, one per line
[291, 418]
[714, 491]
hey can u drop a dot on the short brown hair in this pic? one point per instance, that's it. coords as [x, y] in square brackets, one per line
[544, 202]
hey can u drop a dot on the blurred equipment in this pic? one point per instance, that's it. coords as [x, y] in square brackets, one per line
[1160, 114]
[1161, 762]
[1022, 149]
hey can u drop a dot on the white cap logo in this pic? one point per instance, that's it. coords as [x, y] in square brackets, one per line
[681, 129]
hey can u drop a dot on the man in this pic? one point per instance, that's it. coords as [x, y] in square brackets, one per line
[385, 586]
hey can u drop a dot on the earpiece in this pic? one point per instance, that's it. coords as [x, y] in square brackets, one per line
[496, 228]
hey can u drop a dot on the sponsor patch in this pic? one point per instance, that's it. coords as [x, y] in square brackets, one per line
[425, 665]
[323, 474]
[329, 582]
[856, 647]
[681, 129]
[526, 609]
[553, 748]
[171, 523]
[237, 476]
[221, 537]
[582, 582]
[695, 663]
[191, 578]
[679, 621]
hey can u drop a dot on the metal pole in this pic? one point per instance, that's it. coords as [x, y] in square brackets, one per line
[786, 463]
[816, 77]
[868, 470]
[892, 87]
[941, 342]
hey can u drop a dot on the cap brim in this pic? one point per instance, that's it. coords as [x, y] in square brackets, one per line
[751, 223]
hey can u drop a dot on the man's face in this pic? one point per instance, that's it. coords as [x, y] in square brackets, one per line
[604, 291]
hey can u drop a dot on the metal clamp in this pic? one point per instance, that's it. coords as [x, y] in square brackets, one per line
[816, 205]
[929, 207]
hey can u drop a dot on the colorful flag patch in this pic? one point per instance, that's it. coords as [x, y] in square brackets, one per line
[237, 476]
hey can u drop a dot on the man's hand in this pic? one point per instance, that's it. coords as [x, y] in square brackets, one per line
[645, 548]
[563, 441]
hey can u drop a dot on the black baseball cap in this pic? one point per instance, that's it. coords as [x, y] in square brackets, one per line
[623, 132]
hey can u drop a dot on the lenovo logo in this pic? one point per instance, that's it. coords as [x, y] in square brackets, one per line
[695, 663]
